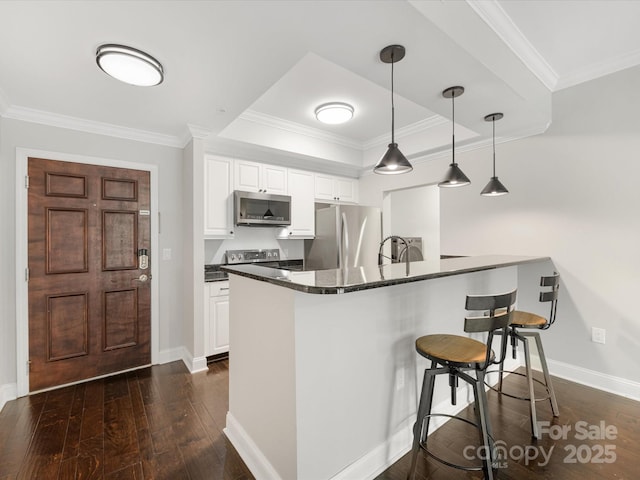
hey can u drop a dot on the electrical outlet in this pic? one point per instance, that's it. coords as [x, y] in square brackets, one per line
[166, 254]
[598, 335]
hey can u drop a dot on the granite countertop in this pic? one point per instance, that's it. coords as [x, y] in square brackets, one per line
[371, 276]
[213, 272]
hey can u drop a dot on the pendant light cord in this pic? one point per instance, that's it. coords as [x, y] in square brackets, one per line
[393, 114]
[453, 128]
[494, 145]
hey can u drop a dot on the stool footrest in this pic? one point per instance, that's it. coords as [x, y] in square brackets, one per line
[469, 468]
[510, 395]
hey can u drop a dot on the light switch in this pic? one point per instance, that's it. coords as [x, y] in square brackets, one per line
[166, 254]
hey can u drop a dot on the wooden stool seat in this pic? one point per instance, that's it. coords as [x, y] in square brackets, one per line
[452, 349]
[527, 320]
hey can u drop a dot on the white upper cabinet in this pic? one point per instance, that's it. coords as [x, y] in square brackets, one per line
[218, 197]
[329, 188]
[301, 189]
[259, 177]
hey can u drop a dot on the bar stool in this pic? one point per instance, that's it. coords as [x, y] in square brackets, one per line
[458, 356]
[532, 321]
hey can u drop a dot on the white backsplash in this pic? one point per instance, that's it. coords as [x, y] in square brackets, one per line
[252, 238]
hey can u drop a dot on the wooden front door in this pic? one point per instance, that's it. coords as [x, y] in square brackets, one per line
[89, 295]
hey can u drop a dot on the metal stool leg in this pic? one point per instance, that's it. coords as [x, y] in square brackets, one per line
[532, 398]
[421, 427]
[482, 416]
[547, 378]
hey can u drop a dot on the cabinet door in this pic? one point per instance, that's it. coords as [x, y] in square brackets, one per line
[247, 176]
[219, 312]
[336, 189]
[302, 208]
[274, 180]
[346, 189]
[324, 187]
[218, 193]
[259, 177]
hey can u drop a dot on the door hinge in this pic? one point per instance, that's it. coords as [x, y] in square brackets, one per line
[28, 366]
[26, 274]
[26, 181]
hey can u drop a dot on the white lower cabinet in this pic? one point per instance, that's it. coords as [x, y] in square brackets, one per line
[216, 326]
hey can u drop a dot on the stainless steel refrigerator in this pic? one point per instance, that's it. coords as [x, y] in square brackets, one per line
[346, 236]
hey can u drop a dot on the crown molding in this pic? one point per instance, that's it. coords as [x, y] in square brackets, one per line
[497, 19]
[197, 131]
[414, 128]
[596, 70]
[296, 128]
[89, 126]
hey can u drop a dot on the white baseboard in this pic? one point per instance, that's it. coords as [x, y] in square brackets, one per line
[8, 392]
[194, 364]
[197, 364]
[591, 378]
[170, 355]
[257, 463]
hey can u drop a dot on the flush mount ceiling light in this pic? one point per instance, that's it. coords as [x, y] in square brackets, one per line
[393, 162]
[129, 65]
[334, 113]
[454, 176]
[495, 187]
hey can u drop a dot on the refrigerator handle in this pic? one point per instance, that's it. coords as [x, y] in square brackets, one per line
[343, 248]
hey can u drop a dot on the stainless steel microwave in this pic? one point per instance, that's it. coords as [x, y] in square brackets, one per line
[261, 209]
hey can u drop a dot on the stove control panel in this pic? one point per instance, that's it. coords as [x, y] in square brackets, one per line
[252, 256]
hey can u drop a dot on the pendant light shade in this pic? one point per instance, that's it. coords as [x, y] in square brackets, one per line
[454, 176]
[495, 187]
[393, 161]
[129, 65]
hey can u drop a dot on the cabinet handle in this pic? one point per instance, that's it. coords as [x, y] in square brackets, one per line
[224, 288]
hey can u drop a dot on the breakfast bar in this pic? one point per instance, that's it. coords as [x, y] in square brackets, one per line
[323, 375]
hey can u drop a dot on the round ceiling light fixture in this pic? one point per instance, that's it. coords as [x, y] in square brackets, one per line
[334, 113]
[129, 65]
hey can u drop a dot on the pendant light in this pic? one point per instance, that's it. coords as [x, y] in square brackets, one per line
[393, 162]
[454, 176]
[495, 187]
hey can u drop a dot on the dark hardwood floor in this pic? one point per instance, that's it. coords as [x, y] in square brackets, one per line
[153, 423]
[559, 454]
[164, 423]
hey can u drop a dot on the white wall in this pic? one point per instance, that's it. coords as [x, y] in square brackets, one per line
[415, 212]
[574, 197]
[168, 160]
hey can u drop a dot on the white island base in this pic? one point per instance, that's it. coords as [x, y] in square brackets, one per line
[326, 386]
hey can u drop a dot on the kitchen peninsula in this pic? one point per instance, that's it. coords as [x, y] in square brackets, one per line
[323, 375]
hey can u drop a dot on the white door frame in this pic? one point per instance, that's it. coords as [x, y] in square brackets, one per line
[22, 251]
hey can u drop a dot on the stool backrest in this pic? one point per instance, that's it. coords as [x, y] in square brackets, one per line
[552, 281]
[495, 314]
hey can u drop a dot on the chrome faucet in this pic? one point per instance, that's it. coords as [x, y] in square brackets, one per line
[390, 237]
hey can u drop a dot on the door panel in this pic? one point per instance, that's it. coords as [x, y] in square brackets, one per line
[119, 240]
[66, 233]
[120, 319]
[67, 325]
[89, 306]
